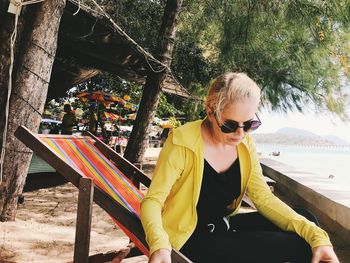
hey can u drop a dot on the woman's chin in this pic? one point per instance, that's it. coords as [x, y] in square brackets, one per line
[235, 142]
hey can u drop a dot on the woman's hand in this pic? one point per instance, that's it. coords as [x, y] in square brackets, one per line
[160, 256]
[324, 254]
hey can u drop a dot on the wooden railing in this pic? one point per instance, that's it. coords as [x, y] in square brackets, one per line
[328, 200]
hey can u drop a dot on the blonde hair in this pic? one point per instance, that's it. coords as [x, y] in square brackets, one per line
[231, 88]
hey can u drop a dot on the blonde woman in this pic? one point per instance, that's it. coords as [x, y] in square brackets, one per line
[202, 173]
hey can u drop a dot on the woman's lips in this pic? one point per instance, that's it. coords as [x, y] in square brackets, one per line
[235, 139]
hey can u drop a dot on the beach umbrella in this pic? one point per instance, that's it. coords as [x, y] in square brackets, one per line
[112, 116]
[126, 97]
[131, 116]
[163, 123]
[99, 96]
[166, 124]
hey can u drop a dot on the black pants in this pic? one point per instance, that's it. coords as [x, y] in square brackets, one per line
[251, 238]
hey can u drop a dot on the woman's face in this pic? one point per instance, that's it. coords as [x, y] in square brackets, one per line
[239, 112]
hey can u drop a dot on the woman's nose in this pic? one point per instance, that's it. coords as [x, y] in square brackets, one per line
[240, 131]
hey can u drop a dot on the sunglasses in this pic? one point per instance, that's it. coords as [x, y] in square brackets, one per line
[230, 126]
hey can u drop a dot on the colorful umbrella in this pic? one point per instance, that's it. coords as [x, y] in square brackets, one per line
[166, 124]
[112, 116]
[163, 123]
[131, 116]
[99, 96]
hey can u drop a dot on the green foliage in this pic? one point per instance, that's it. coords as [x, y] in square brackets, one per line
[190, 65]
[166, 109]
[140, 19]
[285, 46]
[194, 72]
[297, 50]
[175, 122]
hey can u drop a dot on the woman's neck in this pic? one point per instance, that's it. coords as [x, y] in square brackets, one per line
[219, 154]
[210, 138]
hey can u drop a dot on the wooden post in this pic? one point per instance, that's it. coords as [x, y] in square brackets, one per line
[83, 225]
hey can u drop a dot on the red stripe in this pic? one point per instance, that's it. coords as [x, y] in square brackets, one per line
[110, 177]
[107, 175]
[133, 238]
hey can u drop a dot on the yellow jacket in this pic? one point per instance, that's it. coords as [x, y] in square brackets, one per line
[168, 212]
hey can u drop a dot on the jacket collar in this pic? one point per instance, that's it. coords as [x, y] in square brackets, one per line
[189, 135]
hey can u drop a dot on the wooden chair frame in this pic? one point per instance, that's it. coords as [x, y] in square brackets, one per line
[89, 192]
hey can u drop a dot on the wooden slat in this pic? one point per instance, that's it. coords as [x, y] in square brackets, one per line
[178, 257]
[56, 136]
[83, 225]
[116, 256]
[249, 202]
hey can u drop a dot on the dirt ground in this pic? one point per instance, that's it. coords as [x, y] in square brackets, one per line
[44, 229]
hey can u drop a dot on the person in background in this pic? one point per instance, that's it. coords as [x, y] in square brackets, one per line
[69, 120]
[101, 121]
[203, 171]
[93, 120]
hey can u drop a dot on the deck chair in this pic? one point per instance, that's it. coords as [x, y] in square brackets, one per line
[102, 175]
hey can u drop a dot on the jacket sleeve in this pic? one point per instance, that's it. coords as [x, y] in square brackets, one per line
[168, 170]
[277, 211]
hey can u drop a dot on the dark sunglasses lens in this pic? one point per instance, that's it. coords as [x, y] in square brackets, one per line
[247, 126]
[253, 125]
[229, 126]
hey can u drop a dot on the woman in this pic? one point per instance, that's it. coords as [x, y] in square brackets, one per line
[202, 173]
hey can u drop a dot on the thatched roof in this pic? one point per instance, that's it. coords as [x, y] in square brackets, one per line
[88, 44]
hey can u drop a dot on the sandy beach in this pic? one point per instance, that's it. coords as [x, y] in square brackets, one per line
[44, 229]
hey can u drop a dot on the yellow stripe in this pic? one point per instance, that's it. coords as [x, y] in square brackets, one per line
[114, 173]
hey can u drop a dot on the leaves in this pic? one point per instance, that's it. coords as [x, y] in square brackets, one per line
[284, 45]
[296, 50]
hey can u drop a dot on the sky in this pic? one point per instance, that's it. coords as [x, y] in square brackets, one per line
[320, 124]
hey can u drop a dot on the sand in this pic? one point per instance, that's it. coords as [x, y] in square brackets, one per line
[44, 229]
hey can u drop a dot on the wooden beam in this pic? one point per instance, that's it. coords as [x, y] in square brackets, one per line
[112, 256]
[178, 257]
[83, 225]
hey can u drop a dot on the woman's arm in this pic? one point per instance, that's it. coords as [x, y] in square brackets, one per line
[161, 256]
[324, 254]
[168, 170]
[277, 211]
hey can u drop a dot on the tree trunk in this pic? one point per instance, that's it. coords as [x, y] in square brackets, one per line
[31, 76]
[150, 98]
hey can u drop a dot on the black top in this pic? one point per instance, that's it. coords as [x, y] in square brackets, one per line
[218, 190]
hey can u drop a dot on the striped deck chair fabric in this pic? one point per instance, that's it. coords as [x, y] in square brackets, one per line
[81, 154]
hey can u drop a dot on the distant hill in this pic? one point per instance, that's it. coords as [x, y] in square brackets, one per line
[336, 140]
[292, 136]
[296, 132]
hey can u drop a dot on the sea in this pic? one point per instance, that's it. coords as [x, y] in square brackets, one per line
[328, 161]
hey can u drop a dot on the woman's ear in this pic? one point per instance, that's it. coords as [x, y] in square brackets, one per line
[209, 112]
